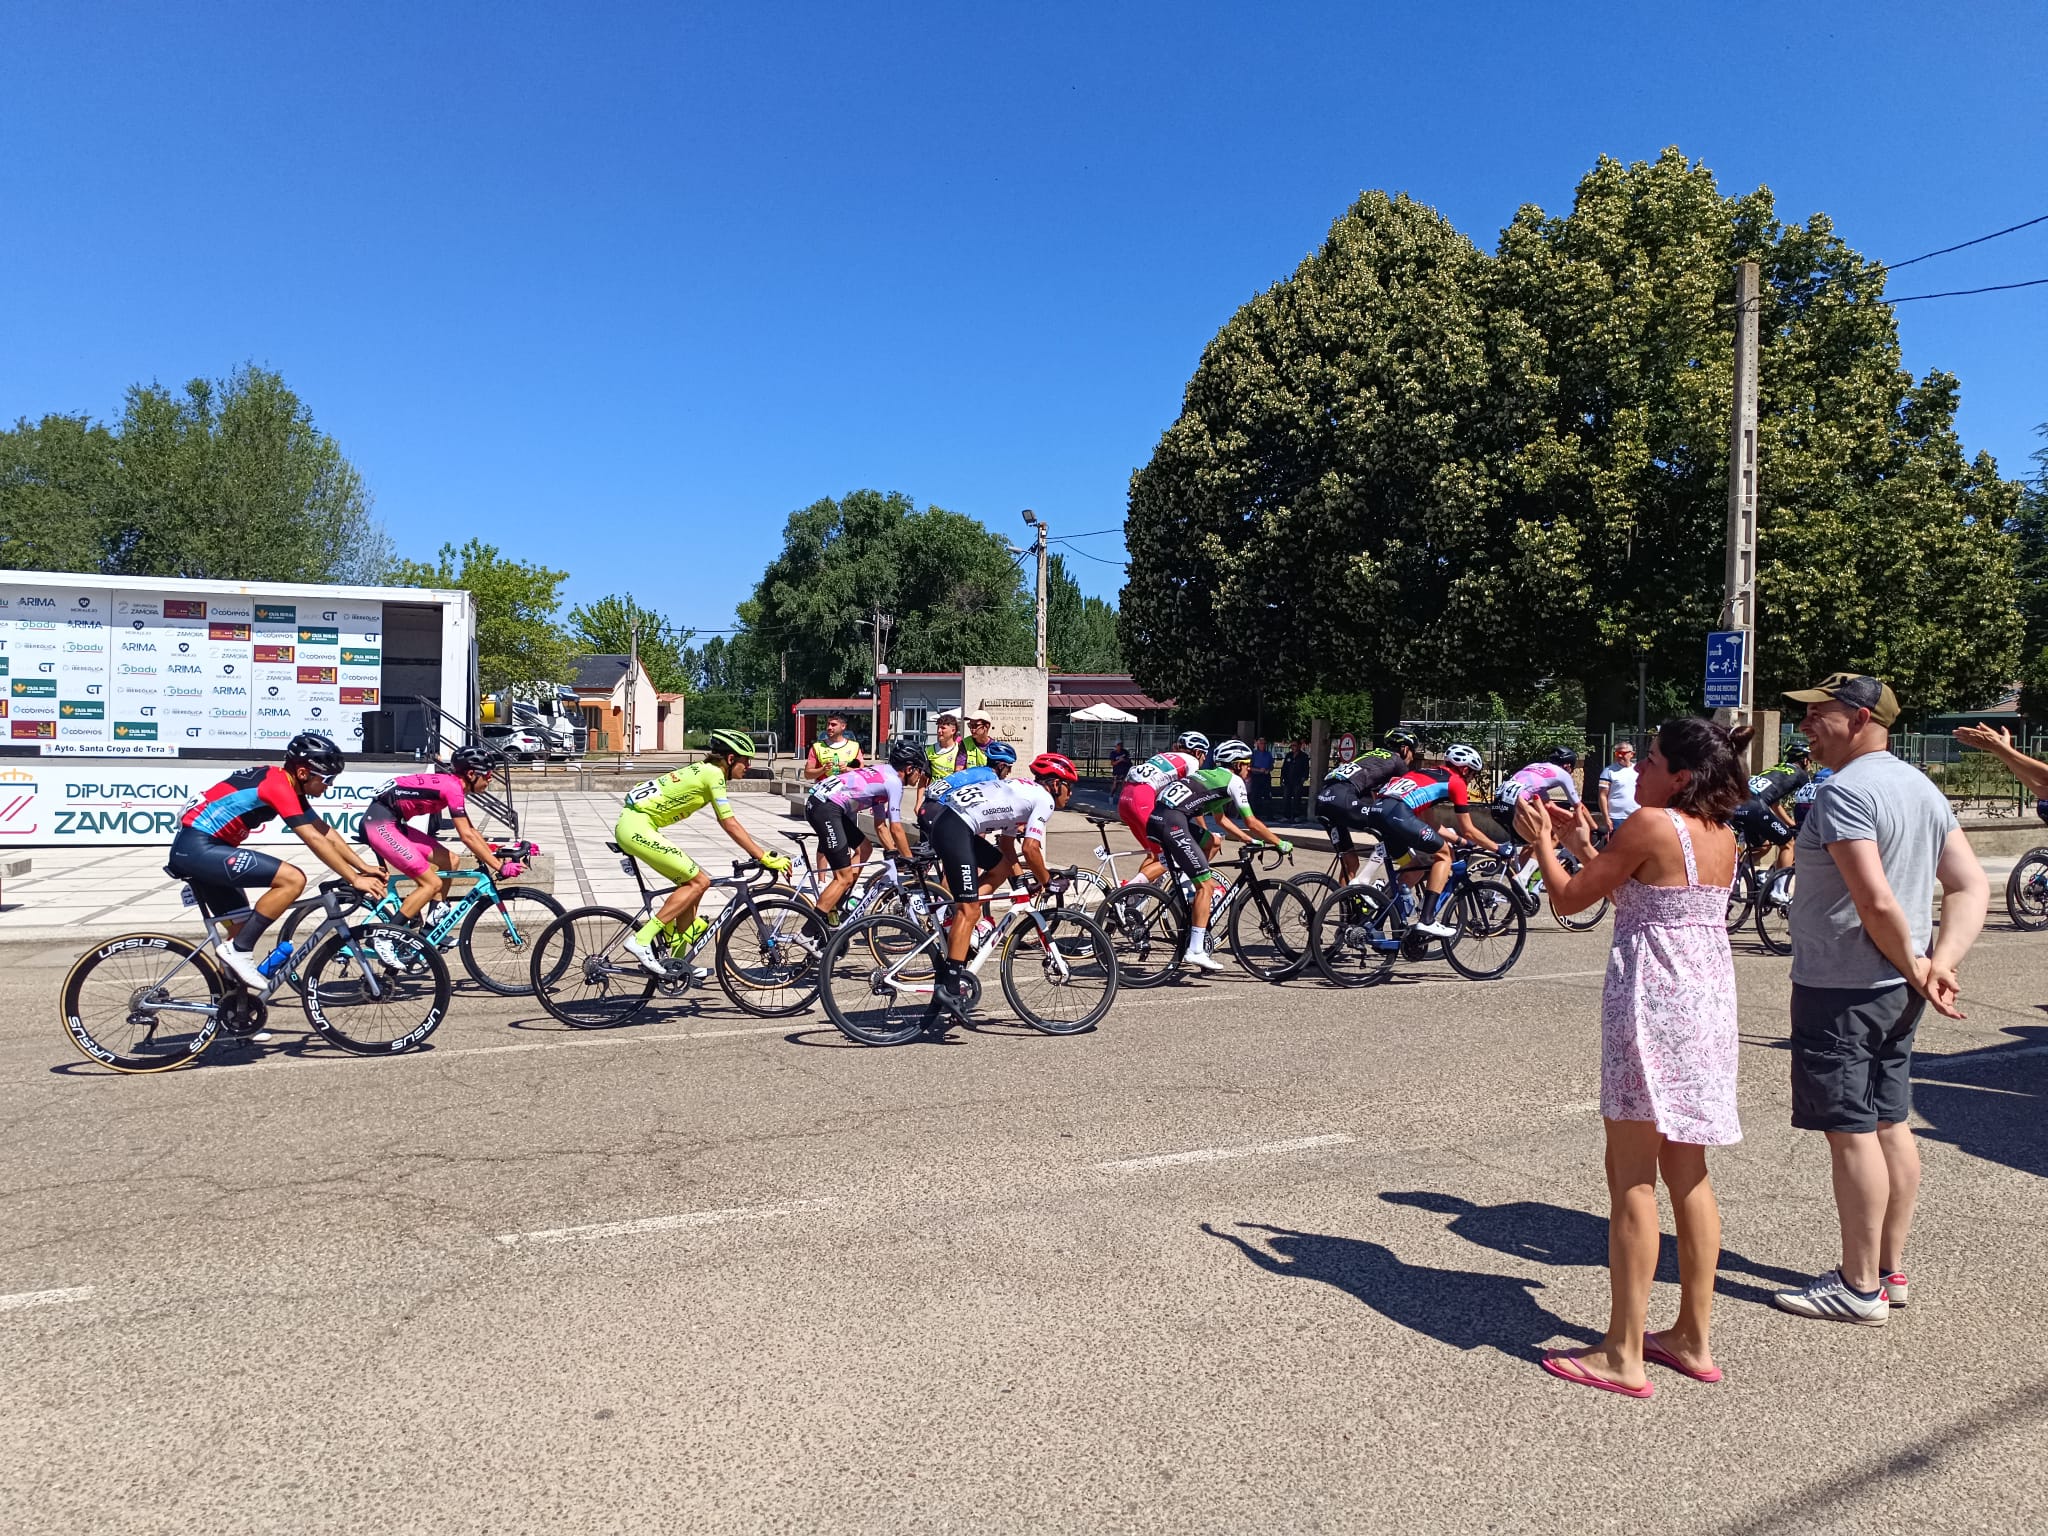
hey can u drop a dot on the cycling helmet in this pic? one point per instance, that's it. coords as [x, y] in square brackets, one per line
[1797, 748]
[1464, 759]
[1000, 752]
[1050, 765]
[312, 750]
[1394, 741]
[474, 759]
[1230, 753]
[1192, 741]
[1563, 757]
[905, 755]
[738, 743]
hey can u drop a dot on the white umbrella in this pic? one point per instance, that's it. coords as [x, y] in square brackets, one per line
[1104, 714]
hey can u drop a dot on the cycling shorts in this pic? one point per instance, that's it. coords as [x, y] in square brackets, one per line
[637, 835]
[398, 846]
[838, 830]
[1169, 832]
[962, 855]
[1756, 826]
[1134, 809]
[217, 871]
[1339, 808]
[1404, 832]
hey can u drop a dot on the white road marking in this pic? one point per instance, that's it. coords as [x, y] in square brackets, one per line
[660, 1223]
[22, 1299]
[563, 1045]
[1218, 1154]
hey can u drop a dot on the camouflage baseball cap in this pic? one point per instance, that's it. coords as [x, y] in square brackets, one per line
[1855, 690]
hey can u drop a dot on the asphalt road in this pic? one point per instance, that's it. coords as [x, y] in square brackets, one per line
[1007, 1284]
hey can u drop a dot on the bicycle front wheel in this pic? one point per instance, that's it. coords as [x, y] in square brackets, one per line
[1059, 972]
[143, 1002]
[2026, 891]
[582, 974]
[1270, 925]
[376, 990]
[1741, 897]
[872, 1000]
[1774, 913]
[1147, 934]
[1352, 938]
[1580, 922]
[498, 937]
[768, 955]
[1492, 928]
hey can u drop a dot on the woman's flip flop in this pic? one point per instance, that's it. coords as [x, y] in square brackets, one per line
[1652, 1350]
[1567, 1368]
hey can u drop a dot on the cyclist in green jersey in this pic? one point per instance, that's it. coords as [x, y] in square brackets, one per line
[656, 803]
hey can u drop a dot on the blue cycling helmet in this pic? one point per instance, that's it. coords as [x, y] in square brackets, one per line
[1000, 752]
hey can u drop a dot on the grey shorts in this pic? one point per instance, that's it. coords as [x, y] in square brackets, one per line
[1852, 1056]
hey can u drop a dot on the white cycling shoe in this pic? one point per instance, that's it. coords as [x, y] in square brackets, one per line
[645, 954]
[241, 964]
[1202, 960]
[1436, 930]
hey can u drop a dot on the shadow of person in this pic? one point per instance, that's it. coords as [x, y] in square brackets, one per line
[1557, 1234]
[1990, 1102]
[1459, 1307]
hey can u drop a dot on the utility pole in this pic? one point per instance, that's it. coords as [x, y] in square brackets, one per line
[1739, 610]
[1044, 529]
[632, 685]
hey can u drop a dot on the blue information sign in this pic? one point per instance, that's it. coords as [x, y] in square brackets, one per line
[1724, 669]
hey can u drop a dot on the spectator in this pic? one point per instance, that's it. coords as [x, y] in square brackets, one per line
[834, 752]
[1997, 740]
[1294, 782]
[1262, 778]
[974, 750]
[1119, 765]
[1878, 837]
[944, 756]
[1668, 1046]
[1618, 787]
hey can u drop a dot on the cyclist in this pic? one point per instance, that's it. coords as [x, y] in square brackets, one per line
[1804, 796]
[1545, 780]
[413, 853]
[1141, 788]
[1002, 758]
[656, 803]
[959, 828]
[833, 810]
[208, 849]
[835, 752]
[1405, 830]
[1344, 803]
[1171, 828]
[1762, 821]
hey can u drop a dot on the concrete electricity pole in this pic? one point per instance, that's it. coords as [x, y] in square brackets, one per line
[632, 686]
[1044, 529]
[1739, 609]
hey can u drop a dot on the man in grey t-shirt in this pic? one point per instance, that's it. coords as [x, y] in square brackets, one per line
[1878, 837]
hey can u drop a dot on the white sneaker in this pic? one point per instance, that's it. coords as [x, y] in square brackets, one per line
[645, 954]
[1895, 1287]
[1202, 960]
[1829, 1298]
[1436, 930]
[242, 966]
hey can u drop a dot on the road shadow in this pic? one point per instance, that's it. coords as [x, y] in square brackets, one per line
[1992, 1102]
[1462, 1308]
[1557, 1234]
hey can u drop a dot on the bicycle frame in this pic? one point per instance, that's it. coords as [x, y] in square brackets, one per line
[332, 922]
[1020, 908]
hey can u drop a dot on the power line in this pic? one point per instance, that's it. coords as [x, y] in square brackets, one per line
[1099, 533]
[1957, 293]
[2029, 224]
[1122, 564]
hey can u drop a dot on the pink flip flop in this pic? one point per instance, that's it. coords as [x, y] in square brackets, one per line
[1567, 1368]
[1652, 1350]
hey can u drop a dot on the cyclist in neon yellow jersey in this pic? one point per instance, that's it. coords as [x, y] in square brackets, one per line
[656, 803]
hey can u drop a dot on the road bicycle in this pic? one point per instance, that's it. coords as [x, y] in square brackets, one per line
[149, 1002]
[765, 950]
[491, 926]
[1266, 920]
[1747, 887]
[1058, 969]
[1528, 886]
[915, 893]
[1090, 888]
[1774, 911]
[2026, 888]
[1360, 930]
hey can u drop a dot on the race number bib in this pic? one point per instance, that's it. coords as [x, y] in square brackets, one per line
[645, 790]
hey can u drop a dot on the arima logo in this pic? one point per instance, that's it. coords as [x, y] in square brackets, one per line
[38, 602]
[273, 712]
[184, 669]
[221, 691]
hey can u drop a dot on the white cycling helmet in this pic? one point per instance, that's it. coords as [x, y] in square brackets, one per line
[1193, 741]
[1464, 759]
[1230, 753]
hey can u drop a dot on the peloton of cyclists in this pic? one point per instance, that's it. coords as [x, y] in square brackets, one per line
[1344, 803]
[1177, 809]
[1399, 812]
[416, 855]
[833, 809]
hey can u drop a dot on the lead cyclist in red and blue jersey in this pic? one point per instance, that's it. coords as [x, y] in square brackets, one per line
[1404, 830]
[208, 849]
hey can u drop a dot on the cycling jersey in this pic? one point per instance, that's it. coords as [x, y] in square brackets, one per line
[836, 756]
[1809, 792]
[675, 795]
[421, 794]
[1003, 807]
[1536, 779]
[1157, 772]
[244, 801]
[1204, 791]
[1425, 786]
[877, 787]
[944, 790]
[1775, 783]
[1367, 772]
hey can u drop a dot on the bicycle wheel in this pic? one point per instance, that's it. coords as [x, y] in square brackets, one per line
[768, 955]
[872, 1002]
[582, 974]
[1315, 885]
[1774, 912]
[376, 990]
[1059, 972]
[1269, 928]
[1741, 896]
[1147, 934]
[1352, 939]
[1492, 928]
[1580, 922]
[2026, 891]
[138, 1003]
[497, 939]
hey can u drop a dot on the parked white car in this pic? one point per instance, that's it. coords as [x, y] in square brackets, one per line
[524, 743]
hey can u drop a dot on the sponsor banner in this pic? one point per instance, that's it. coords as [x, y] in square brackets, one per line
[56, 804]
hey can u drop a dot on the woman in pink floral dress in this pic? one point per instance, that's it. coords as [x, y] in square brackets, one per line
[1667, 1036]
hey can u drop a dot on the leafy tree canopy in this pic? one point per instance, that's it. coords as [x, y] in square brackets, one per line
[606, 627]
[519, 645]
[1080, 631]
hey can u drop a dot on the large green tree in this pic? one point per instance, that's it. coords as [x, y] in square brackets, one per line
[2030, 536]
[519, 644]
[227, 480]
[607, 627]
[1080, 631]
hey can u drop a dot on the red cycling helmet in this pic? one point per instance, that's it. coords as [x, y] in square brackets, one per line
[1050, 765]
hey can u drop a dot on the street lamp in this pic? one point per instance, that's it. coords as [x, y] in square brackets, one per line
[1031, 519]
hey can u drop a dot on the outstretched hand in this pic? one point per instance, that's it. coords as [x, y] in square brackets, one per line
[1986, 738]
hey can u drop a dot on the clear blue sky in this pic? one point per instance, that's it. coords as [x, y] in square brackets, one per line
[618, 286]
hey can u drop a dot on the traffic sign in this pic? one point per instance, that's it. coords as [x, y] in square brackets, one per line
[1347, 747]
[1724, 669]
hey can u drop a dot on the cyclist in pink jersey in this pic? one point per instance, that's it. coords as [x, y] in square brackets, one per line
[833, 809]
[412, 853]
[1550, 779]
[1134, 802]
